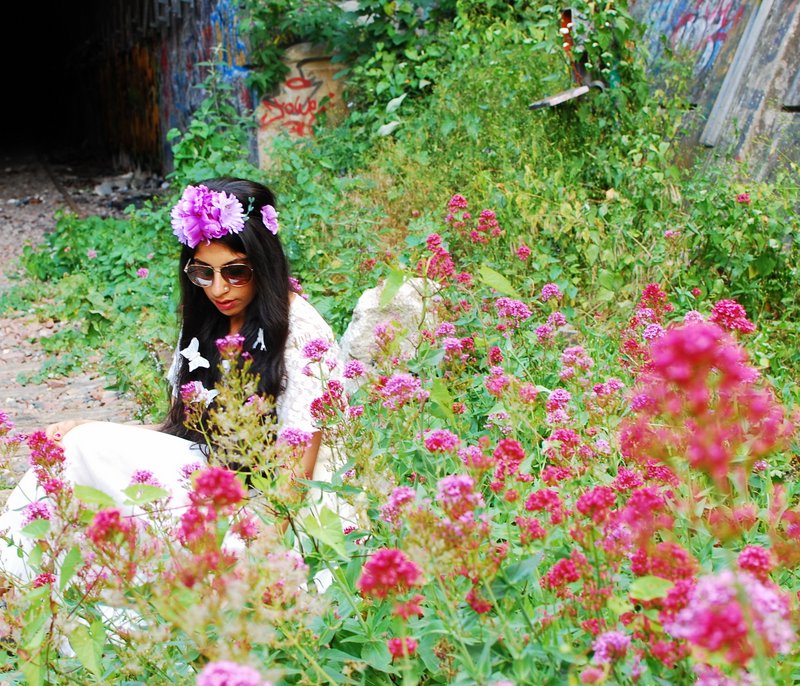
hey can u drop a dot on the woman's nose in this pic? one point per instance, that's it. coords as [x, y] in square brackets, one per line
[218, 285]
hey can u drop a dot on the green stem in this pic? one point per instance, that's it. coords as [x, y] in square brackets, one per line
[454, 625]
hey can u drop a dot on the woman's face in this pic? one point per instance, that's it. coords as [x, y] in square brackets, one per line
[231, 301]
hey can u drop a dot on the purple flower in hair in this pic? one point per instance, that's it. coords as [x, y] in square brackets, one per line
[202, 215]
[270, 217]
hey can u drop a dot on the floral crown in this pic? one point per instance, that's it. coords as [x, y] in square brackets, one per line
[202, 215]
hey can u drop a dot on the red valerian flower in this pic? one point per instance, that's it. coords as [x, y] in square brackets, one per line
[388, 572]
[399, 647]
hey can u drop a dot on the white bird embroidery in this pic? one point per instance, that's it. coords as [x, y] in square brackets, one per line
[260, 341]
[192, 354]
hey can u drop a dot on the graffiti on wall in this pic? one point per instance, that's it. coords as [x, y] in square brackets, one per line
[700, 27]
[297, 105]
[207, 32]
[705, 27]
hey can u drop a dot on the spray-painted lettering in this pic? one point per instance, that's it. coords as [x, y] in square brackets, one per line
[295, 109]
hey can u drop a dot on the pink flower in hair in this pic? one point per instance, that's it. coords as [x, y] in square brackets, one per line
[202, 215]
[270, 218]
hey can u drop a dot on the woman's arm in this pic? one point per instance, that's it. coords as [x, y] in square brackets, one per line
[57, 431]
[310, 454]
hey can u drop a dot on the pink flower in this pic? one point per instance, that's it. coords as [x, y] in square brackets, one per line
[36, 510]
[457, 202]
[496, 382]
[560, 574]
[270, 218]
[457, 497]
[730, 315]
[441, 441]
[230, 346]
[723, 608]
[477, 602]
[512, 309]
[225, 673]
[294, 437]
[653, 331]
[550, 290]
[743, 198]
[91, 253]
[558, 399]
[592, 675]
[523, 252]
[218, 488]
[315, 350]
[544, 333]
[757, 561]
[401, 389]
[610, 647]
[699, 400]
[508, 456]
[106, 524]
[597, 503]
[195, 392]
[354, 369]
[409, 608]
[394, 508]
[388, 572]
[143, 476]
[400, 647]
[143, 272]
[202, 215]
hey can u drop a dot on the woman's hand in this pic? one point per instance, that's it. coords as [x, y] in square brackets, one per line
[55, 432]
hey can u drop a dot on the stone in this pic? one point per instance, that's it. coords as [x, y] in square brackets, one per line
[406, 308]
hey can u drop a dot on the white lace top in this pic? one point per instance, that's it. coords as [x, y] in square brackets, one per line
[303, 383]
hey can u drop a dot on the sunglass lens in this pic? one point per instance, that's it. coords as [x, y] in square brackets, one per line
[237, 274]
[200, 276]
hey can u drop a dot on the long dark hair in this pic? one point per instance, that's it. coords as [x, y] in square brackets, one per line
[268, 312]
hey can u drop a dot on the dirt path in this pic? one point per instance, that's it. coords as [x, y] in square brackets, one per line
[30, 194]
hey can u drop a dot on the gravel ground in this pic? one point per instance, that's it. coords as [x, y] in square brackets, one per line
[30, 194]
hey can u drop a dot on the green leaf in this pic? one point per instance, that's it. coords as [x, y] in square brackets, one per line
[33, 672]
[37, 529]
[649, 587]
[85, 645]
[394, 103]
[389, 128]
[442, 398]
[497, 281]
[141, 494]
[93, 496]
[68, 566]
[392, 284]
[376, 654]
[327, 528]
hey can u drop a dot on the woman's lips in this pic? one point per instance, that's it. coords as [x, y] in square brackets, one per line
[224, 304]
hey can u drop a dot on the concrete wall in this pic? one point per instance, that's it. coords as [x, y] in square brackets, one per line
[745, 58]
[308, 90]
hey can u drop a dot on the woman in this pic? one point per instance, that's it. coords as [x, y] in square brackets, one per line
[234, 281]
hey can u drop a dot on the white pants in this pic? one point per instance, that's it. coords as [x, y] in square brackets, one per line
[104, 456]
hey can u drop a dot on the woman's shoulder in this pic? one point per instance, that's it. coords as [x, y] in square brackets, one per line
[306, 323]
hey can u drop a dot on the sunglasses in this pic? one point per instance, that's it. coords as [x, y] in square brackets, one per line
[203, 275]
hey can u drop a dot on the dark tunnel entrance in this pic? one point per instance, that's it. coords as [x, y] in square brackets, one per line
[59, 92]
